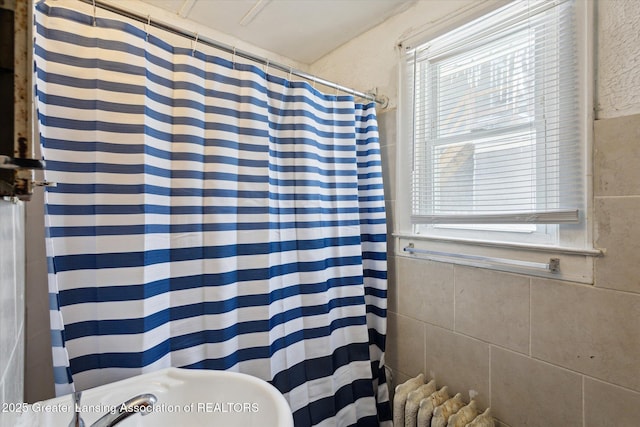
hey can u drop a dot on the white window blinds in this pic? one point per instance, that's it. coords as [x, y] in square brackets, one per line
[496, 128]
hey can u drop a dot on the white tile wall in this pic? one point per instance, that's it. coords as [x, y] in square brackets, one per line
[12, 268]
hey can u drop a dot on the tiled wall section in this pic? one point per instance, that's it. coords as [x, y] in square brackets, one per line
[539, 352]
[12, 262]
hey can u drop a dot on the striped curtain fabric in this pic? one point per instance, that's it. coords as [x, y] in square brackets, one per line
[208, 215]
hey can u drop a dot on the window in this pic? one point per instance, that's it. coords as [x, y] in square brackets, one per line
[499, 130]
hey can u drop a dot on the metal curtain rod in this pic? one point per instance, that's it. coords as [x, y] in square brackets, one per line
[232, 50]
[552, 266]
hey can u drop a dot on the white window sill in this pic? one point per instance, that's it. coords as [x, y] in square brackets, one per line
[575, 265]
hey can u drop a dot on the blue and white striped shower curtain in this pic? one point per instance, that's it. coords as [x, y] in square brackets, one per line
[208, 215]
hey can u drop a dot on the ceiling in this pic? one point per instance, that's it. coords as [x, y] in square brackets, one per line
[303, 30]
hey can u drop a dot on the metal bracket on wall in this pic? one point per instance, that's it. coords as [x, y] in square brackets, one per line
[382, 100]
[16, 178]
[7, 162]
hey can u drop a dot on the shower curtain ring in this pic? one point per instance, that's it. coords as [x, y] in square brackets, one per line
[195, 44]
[266, 67]
[289, 79]
[233, 59]
[94, 13]
[146, 27]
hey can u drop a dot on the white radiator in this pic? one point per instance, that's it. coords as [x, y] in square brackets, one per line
[419, 403]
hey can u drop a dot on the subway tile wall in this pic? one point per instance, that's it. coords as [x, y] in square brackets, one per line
[540, 352]
[12, 262]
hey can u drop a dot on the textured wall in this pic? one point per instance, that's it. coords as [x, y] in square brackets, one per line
[618, 80]
[371, 60]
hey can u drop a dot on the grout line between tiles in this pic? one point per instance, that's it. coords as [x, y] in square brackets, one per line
[584, 418]
[454, 296]
[530, 319]
[490, 379]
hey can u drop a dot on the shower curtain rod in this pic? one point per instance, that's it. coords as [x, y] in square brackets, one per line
[382, 100]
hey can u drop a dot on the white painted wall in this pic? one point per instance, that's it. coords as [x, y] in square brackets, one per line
[164, 16]
[371, 60]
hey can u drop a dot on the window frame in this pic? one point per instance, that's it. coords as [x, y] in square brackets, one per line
[574, 246]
